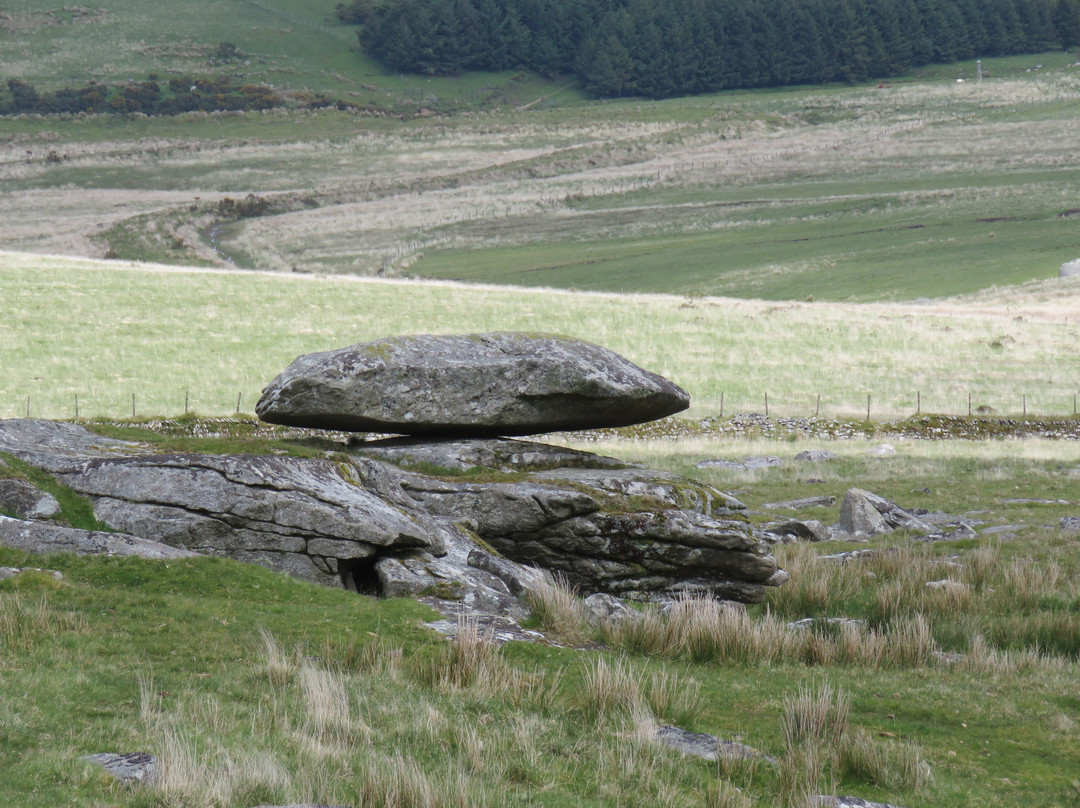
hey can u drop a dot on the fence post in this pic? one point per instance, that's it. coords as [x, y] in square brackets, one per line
[766, 405]
[969, 405]
[239, 396]
[28, 406]
[817, 409]
[722, 403]
[1025, 405]
[918, 402]
[132, 405]
[76, 405]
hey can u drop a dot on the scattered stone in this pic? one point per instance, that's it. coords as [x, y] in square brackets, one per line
[1069, 524]
[812, 622]
[884, 450]
[12, 572]
[800, 530]
[859, 517]
[755, 463]
[719, 463]
[850, 802]
[1069, 268]
[476, 385]
[25, 501]
[603, 609]
[138, 767]
[814, 456]
[850, 555]
[708, 747]
[949, 586]
[867, 514]
[801, 504]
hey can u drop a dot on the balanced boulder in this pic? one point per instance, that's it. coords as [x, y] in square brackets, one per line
[501, 383]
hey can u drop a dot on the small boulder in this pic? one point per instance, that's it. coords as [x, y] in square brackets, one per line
[23, 501]
[1069, 268]
[859, 517]
[604, 609]
[1069, 524]
[814, 456]
[501, 383]
[705, 746]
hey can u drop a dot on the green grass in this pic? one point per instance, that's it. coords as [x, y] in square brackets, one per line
[168, 336]
[922, 189]
[285, 43]
[130, 655]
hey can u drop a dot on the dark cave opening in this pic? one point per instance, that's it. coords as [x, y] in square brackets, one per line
[359, 575]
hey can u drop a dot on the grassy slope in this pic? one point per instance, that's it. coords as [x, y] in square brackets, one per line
[925, 188]
[127, 655]
[286, 43]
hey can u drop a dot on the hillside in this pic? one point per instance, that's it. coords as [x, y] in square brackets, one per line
[921, 189]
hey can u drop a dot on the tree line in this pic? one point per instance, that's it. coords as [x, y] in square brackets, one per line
[151, 97]
[661, 48]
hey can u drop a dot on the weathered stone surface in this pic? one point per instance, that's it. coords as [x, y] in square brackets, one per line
[24, 501]
[720, 463]
[812, 622]
[580, 523]
[708, 747]
[369, 525]
[670, 490]
[57, 447]
[282, 512]
[1069, 268]
[814, 456]
[865, 514]
[801, 504]
[800, 530]
[1069, 524]
[500, 383]
[850, 802]
[602, 609]
[40, 537]
[763, 462]
[500, 454]
[138, 767]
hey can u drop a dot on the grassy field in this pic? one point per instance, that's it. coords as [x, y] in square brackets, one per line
[252, 688]
[921, 188]
[289, 44]
[105, 331]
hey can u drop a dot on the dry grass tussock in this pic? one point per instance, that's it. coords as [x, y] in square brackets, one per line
[28, 620]
[819, 747]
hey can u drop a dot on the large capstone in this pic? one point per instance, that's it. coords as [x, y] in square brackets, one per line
[501, 383]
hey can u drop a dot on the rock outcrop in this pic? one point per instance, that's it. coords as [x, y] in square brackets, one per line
[471, 536]
[493, 384]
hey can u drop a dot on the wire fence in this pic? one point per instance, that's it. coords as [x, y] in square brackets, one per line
[870, 408]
